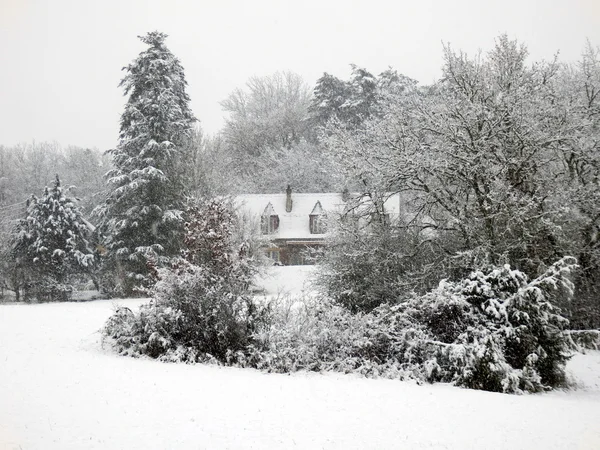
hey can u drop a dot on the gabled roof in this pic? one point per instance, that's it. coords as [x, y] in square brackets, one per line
[295, 224]
[317, 210]
[269, 210]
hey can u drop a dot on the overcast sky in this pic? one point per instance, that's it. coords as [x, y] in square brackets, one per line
[61, 60]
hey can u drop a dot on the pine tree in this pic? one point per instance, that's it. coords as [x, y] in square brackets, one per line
[51, 244]
[329, 95]
[142, 218]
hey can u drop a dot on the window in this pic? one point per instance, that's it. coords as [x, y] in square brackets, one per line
[317, 220]
[269, 224]
[317, 223]
[269, 220]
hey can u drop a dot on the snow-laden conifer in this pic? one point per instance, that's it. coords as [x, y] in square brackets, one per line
[142, 218]
[51, 244]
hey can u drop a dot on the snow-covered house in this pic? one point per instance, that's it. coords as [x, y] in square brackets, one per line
[296, 222]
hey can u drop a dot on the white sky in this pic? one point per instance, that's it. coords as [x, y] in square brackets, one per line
[61, 60]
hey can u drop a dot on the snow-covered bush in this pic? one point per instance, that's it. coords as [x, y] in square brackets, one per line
[493, 330]
[201, 308]
[585, 339]
[363, 268]
[310, 334]
[194, 315]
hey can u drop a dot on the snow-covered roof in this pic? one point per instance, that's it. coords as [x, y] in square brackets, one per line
[318, 209]
[296, 224]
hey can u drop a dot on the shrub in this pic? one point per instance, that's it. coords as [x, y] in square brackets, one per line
[494, 331]
[201, 309]
[506, 336]
[365, 267]
[194, 315]
[310, 334]
[585, 339]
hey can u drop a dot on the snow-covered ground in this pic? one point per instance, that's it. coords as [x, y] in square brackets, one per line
[60, 390]
[286, 280]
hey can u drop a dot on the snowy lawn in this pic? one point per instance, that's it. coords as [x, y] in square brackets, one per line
[60, 390]
[286, 280]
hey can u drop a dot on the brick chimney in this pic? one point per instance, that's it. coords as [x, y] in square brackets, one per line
[288, 199]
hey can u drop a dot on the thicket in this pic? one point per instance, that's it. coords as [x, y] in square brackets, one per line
[494, 330]
[201, 307]
[497, 163]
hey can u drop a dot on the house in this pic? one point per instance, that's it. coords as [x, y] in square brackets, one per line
[298, 222]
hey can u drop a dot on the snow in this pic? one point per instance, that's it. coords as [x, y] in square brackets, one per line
[295, 224]
[286, 280]
[59, 389]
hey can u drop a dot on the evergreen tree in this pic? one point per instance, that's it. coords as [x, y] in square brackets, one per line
[142, 218]
[363, 88]
[329, 95]
[354, 101]
[51, 244]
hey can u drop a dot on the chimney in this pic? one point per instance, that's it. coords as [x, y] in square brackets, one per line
[288, 199]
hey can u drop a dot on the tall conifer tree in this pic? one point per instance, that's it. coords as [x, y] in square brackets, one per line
[142, 218]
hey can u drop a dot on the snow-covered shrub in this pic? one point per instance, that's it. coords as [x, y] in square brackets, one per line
[493, 330]
[585, 339]
[215, 314]
[362, 268]
[201, 308]
[308, 334]
[47, 289]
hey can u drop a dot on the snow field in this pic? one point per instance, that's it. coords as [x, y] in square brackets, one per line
[59, 389]
[286, 280]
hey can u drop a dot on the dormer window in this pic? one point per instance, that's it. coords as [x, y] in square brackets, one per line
[317, 220]
[269, 220]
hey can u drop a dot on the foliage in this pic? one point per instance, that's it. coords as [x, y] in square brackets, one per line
[201, 308]
[493, 330]
[194, 315]
[304, 166]
[270, 113]
[142, 218]
[497, 162]
[268, 141]
[12, 277]
[350, 103]
[51, 245]
[27, 168]
[315, 334]
[585, 339]
[364, 267]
